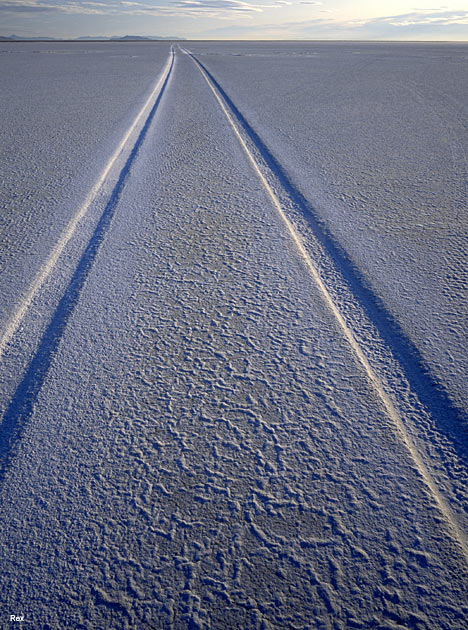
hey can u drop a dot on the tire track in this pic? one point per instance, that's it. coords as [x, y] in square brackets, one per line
[22, 402]
[431, 393]
[17, 317]
[378, 385]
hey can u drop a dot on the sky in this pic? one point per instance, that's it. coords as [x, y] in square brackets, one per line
[238, 19]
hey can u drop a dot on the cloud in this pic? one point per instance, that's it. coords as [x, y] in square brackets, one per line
[423, 17]
[418, 23]
[223, 5]
[13, 7]
[36, 6]
[442, 23]
[221, 9]
[177, 8]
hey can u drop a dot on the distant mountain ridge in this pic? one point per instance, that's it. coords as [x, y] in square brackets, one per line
[17, 38]
[91, 38]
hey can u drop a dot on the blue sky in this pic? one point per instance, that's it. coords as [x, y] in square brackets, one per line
[238, 19]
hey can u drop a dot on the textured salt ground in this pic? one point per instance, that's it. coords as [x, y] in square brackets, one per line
[375, 136]
[205, 451]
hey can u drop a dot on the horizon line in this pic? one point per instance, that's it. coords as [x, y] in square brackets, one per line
[155, 38]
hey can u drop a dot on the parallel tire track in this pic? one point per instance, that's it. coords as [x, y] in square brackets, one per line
[22, 402]
[124, 147]
[401, 432]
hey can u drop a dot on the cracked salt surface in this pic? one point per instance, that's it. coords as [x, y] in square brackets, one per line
[205, 451]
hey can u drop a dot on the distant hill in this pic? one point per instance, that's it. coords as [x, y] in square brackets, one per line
[19, 38]
[114, 38]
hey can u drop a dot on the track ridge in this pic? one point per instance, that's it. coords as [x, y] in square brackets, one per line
[377, 383]
[22, 402]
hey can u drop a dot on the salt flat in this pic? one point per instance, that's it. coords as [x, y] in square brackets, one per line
[209, 418]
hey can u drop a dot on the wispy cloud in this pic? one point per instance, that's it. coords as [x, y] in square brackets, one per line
[222, 5]
[207, 8]
[419, 24]
[422, 18]
[36, 6]
[417, 21]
